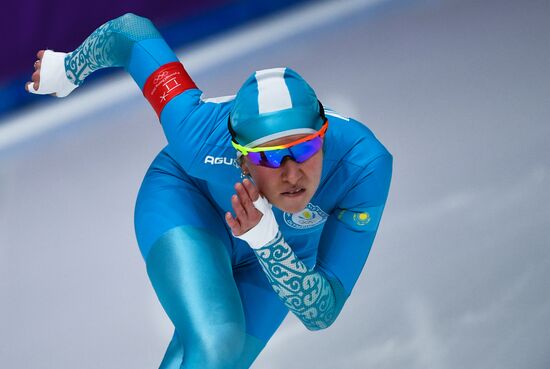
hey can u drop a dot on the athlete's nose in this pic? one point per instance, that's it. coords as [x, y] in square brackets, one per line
[291, 171]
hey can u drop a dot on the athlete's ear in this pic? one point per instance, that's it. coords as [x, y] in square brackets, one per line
[244, 165]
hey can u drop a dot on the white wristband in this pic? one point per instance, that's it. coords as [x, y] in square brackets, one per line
[53, 78]
[266, 230]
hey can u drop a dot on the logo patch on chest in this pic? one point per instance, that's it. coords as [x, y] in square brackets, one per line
[310, 217]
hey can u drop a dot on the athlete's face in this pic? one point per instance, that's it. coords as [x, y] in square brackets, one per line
[291, 186]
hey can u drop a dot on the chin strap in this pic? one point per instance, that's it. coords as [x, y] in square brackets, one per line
[266, 230]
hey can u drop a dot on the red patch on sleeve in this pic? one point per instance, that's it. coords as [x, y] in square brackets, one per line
[165, 83]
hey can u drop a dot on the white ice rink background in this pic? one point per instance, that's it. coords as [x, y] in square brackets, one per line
[459, 275]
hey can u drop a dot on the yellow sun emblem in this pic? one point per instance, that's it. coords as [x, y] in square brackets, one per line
[361, 218]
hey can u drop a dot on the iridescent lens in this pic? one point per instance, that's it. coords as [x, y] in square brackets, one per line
[254, 157]
[306, 150]
[270, 159]
[299, 153]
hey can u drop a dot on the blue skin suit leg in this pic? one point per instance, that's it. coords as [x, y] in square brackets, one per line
[223, 317]
[191, 273]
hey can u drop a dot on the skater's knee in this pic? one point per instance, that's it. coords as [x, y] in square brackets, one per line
[221, 349]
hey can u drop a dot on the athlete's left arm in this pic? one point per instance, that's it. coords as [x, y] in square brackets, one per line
[317, 296]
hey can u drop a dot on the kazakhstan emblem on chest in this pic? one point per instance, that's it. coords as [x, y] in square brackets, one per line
[310, 217]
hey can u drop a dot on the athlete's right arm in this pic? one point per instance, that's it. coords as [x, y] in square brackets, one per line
[129, 41]
[134, 43]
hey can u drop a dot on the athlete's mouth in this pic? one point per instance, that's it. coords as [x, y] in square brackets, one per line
[294, 192]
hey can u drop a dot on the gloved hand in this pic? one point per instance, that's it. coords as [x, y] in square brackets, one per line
[50, 75]
[255, 222]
